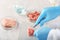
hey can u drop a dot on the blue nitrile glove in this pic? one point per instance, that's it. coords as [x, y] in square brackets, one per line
[48, 14]
[42, 33]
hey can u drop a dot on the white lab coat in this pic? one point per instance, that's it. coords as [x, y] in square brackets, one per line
[54, 34]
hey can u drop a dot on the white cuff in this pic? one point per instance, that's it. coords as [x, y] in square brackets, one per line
[54, 34]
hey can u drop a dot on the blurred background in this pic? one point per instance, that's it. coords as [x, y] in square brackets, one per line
[7, 10]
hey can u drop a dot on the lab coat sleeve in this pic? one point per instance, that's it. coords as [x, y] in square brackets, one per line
[46, 33]
[42, 33]
[54, 34]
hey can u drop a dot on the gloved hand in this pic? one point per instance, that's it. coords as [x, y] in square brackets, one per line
[48, 14]
[42, 33]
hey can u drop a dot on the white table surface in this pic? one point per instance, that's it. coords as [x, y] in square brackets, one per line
[20, 33]
[7, 10]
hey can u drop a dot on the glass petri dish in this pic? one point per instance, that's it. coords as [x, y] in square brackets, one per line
[10, 25]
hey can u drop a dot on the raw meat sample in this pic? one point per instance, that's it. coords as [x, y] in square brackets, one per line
[8, 22]
[30, 31]
[33, 16]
